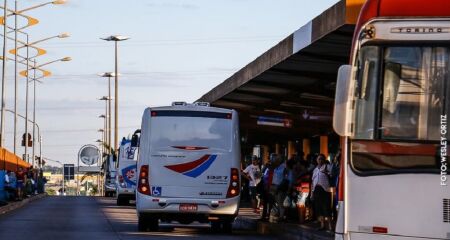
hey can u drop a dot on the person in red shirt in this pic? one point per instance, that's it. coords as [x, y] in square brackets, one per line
[21, 179]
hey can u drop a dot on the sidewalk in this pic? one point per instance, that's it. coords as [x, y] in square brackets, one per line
[15, 205]
[293, 231]
[249, 220]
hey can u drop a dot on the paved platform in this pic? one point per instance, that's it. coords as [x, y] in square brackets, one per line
[122, 220]
[15, 205]
[247, 219]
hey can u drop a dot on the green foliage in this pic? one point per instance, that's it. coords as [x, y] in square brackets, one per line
[94, 190]
[50, 192]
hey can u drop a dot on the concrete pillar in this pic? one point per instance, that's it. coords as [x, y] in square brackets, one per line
[306, 146]
[291, 149]
[277, 148]
[324, 145]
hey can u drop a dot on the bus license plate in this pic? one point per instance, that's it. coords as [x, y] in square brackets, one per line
[188, 207]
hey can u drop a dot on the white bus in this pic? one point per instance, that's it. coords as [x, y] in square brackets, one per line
[126, 172]
[188, 166]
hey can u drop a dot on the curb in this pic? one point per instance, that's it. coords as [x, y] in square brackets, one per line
[292, 231]
[15, 205]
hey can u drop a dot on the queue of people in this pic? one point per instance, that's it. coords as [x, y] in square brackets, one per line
[281, 186]
[23, 183]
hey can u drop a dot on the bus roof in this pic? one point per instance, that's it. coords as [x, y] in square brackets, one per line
[402, 8]
[190, 107]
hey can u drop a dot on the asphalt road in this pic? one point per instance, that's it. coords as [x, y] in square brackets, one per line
[85, 218]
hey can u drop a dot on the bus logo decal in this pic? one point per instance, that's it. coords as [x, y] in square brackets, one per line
[195, 168]
[129, 173]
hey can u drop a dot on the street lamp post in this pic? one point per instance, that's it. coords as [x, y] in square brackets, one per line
[26, 74]
[104, 121]
[2, 123]
[34, 124]
[108, 120]
[34, 111]
[15, 77]
[103, 139]
[109, 113]
[116, 38]
[31, 22]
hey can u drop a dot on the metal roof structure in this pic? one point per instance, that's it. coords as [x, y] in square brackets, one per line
[295, 80]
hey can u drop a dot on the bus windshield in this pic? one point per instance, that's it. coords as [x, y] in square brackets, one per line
[402, 93]
[409, 84]
[206, 130]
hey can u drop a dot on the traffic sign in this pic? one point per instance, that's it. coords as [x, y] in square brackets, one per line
[69, 171]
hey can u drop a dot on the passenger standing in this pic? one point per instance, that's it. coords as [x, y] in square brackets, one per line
[29, 183]
[253, 173]
[245, 182]
[267, 197]
[321, 192]
[21, 178]
[280, 185]
[335, 171]
[11, 185]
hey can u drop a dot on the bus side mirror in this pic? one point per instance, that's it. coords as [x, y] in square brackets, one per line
[135, 140]
[342, 107]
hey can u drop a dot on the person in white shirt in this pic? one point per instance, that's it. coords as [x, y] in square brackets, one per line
[321, 191]
[253, 173]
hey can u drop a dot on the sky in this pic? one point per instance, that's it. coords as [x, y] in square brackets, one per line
[178, 50]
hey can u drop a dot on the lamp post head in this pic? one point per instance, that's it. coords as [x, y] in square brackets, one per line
[66, 59]
[108, 74]
[102, 116]
[59, 1]
[99, 141]
[116, 38]
[64, 35]
[101, 130]
[104, 98]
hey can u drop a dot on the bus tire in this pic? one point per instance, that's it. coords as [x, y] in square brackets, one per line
[120, 201]
[147, 223]
[215, 227]
[142, 223]
[153, 224]
[227, 226]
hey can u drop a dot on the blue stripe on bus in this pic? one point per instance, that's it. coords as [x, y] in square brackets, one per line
[202, 168]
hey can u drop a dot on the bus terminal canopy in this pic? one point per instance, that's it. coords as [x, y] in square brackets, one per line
[288, 91]
[9, 161]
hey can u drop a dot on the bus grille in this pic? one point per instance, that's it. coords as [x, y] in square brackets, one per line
[446, 210]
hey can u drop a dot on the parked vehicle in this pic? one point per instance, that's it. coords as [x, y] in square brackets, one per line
[110, 176]
[188, 166]
[126, 172]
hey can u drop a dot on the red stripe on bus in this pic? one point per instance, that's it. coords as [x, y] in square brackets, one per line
[184, 167]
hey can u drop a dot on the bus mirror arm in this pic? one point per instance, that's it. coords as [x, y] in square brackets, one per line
[135, 139]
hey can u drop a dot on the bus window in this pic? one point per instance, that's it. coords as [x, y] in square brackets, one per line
[366, 92]
[414, 92]
[370, 157]
[184, 128]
